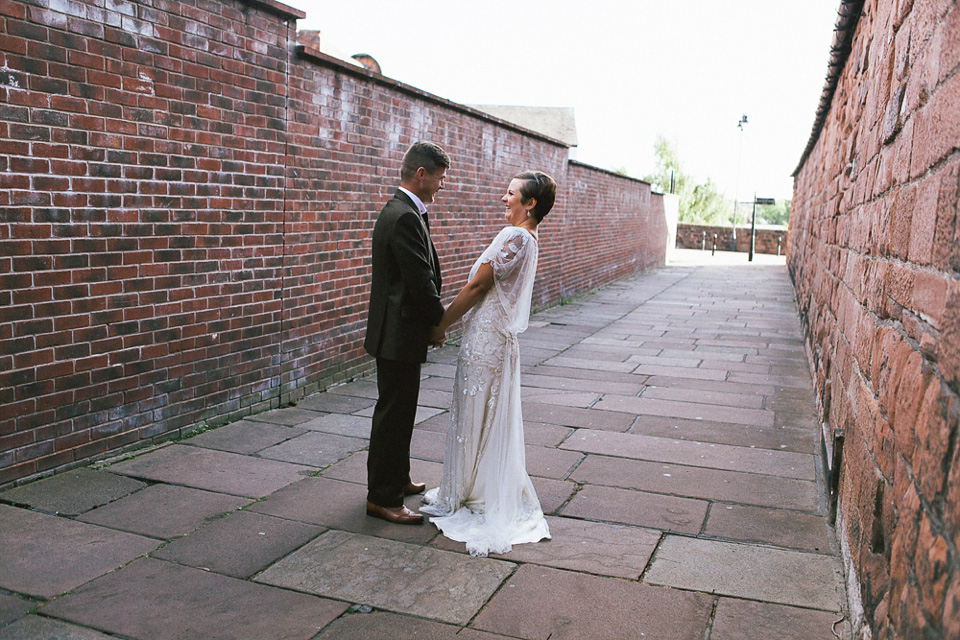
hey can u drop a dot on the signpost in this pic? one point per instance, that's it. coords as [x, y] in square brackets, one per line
[753, 221]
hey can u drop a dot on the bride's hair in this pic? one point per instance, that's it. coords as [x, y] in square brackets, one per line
[537, 184]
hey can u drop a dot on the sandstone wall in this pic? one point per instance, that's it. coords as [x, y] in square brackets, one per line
[875, 256]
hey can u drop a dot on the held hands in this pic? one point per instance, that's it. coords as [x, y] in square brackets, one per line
[437, 337]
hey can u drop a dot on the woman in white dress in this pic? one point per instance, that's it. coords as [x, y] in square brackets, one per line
[485, 497]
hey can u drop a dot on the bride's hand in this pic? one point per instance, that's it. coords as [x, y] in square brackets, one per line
[437, 337]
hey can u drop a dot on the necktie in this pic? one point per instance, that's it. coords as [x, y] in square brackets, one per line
[426, 221]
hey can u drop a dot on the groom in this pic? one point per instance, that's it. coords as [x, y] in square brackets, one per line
[404, 306]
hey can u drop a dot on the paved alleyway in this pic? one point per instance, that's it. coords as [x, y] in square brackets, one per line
[670, 434]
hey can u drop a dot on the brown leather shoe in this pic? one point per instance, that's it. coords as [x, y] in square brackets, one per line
[413, 488]
[397, 515]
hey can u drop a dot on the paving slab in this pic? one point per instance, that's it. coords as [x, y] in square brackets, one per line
[548, 462]
[438, 423]
[742, 400]
[538, 603]
[428, 445]
[537, 381]
[37, 628]
[290, 416]
[727, 365]
[772, 526]
[690, 409]
[574, 375]
[240, 544]
[13, 607]
[545, 435]
[749, 571]
[391, 575]
[366, 388]
[423, 413]
[652, 510]
[72, 492]
[381, 624]
[552, 494]
[339, 402]
[591, 364]
[776, 438]
[582, 400]
[439, 370]
[574, 417]
[699, 482]
[678, 372]
[354, 469]
[438, 383]
[338, 505]
[219, 471]
[800, 380]
[535, 433]
[599, 548]
[46, 562]
[693, 453]
[164, 511]
[596, 353]
[340, 424]
[161, 600]
[661, 360]
[245, 436]
[314, 449]
[722, 386]
[435, 398]
[746, 620]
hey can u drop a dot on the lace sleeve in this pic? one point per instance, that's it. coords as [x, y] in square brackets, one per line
[509, 256]
[513, 256]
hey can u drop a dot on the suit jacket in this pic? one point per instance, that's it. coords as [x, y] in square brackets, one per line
[405, 292]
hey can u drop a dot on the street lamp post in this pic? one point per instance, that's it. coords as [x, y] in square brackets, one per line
[736, 195]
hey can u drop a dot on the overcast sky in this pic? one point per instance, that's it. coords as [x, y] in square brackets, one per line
[631, 69]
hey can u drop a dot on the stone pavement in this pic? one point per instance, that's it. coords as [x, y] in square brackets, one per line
[671, 437]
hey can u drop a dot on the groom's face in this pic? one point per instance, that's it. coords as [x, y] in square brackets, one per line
[430, 183]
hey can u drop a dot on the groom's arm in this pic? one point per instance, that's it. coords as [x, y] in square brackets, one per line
[411, 249]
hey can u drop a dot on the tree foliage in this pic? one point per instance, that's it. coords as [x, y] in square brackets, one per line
[774, 213]
[699, 203]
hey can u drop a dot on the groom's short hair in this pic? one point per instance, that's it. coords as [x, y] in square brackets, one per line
[428, 155]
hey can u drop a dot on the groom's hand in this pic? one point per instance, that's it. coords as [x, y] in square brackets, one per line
[437, 337]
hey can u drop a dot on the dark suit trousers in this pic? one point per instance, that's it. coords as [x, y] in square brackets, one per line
[388, 462]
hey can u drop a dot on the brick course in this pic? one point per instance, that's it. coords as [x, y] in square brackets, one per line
[875, 255]
[187, 200]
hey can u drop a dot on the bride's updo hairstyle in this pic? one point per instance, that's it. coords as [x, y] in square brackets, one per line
[537, 184]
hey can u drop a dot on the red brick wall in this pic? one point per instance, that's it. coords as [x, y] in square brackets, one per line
[185, 211]
[875, 256]
[772, 241]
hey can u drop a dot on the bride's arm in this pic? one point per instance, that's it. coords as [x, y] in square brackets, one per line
[468, 296]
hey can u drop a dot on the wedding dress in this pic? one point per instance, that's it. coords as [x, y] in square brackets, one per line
[485, 497]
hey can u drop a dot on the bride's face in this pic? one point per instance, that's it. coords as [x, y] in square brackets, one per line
[516, 210]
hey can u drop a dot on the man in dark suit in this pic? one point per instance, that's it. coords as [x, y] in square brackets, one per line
[404, 306]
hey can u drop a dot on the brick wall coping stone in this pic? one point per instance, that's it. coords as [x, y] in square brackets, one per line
[612, 173]
[313, 54]
[847, 19]
[278, 8]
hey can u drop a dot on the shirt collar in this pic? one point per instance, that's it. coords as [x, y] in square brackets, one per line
[416, 201]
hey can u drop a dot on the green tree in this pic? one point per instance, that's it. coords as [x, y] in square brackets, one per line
[668, 171]
[706, 205]
[774, 213]
[699, 203]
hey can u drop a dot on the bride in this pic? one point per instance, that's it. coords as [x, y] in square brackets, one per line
[485, 497]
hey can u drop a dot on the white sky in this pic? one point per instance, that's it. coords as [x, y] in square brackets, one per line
[632, 69]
